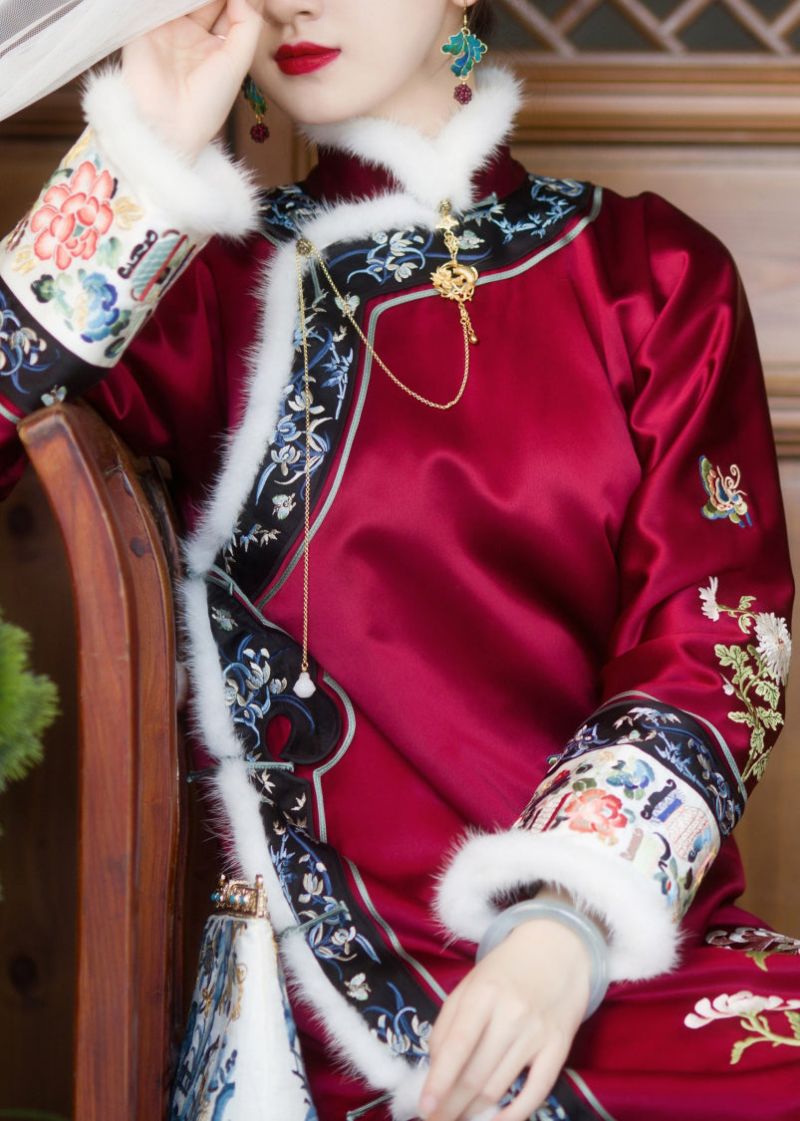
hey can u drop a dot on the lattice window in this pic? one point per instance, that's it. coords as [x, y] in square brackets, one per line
[677, 29]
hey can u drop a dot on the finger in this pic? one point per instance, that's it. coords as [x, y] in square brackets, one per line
[240, 24]
[444, 1019]
[510, 1060]
[208, 15]
[540, 1081]
[455, 1046]
[469, 1094]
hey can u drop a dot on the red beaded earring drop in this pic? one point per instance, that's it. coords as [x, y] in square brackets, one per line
[255, 98]
[467, 51]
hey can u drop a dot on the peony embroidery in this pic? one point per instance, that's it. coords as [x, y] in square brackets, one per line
[755, 672]
[596, 811]
[726, 499]
[751, 1012]
[74, 215]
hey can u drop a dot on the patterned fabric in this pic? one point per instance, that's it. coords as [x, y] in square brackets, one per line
[256, 664]
[216, 1076]
[757, 942]
[89, 261]
[754, 672]
[673, 738]
[627, 800]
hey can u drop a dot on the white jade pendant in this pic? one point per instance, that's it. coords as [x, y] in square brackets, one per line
[304, 686]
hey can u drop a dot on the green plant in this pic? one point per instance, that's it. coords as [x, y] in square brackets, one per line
[28, 705]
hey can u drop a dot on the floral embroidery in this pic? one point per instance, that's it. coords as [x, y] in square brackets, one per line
[395, 256]
[249, 684]
[258, 661]
[283, 505]
[338, 938]
[757, 670]
[632, 803]
[21, 348]
[726, 499]
[284, 210]
[87, 253]
[206, 1071]
[595, 811]
[242, 540]
[758, 942]
[357, 987]
[88, 304]
[75, 213]
[751, 1012]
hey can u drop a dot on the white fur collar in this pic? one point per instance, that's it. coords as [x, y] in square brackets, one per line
[441, 167]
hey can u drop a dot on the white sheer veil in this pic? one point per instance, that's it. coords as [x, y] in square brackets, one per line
[45, 43]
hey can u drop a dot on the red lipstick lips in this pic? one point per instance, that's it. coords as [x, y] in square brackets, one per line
[302, 58]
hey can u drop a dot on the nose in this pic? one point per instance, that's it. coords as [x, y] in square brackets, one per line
[283, 12]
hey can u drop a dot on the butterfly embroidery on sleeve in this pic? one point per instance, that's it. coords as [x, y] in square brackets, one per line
[726, 499]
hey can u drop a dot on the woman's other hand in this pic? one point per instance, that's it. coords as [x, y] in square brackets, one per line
[185, 75]
[518, 1007]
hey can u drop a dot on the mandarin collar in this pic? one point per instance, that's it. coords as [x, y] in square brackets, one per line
[467, 160]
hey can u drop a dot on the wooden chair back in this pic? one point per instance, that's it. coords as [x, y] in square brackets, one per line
[121, 549]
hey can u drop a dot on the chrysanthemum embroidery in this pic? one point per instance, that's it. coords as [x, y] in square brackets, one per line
[751, 1012]
[726, 499]
[755, 671]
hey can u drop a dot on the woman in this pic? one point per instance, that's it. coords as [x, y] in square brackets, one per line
[453, 522]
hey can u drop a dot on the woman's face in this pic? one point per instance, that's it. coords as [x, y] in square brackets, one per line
[324, 61]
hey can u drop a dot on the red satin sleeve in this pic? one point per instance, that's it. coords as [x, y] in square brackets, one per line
[703, 557]
[654, 781]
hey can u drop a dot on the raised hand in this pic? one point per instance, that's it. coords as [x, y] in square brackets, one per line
[185, 75]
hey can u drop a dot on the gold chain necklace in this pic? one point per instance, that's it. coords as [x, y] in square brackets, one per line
[453, 281]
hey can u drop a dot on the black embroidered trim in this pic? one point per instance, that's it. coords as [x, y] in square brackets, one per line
[674, 738]
[35, 369]
[260, 664]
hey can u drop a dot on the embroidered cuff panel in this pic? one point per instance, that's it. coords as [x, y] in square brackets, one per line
[86, 267]
[641, 782]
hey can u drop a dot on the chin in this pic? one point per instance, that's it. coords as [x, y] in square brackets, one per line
[329, 102]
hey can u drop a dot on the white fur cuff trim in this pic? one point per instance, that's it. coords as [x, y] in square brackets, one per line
[211, 196]
[644, 938]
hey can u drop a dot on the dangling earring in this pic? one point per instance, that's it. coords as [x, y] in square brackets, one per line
[468, 50]
[255, 99]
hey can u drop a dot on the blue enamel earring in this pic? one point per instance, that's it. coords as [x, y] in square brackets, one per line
[258, 104]
[467, 51]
